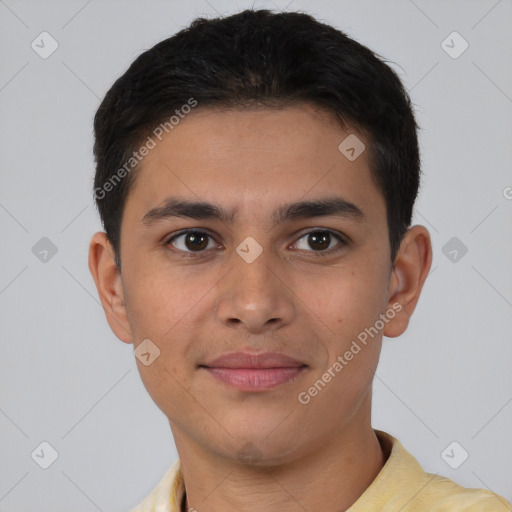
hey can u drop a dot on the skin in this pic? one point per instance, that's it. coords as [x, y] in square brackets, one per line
[319, 456]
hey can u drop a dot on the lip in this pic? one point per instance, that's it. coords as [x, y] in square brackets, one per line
[254, 372]
[254, 361]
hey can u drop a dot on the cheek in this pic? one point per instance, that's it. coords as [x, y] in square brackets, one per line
[167, 387]
[161, 306]
[352, 304]
[353, 301]
[157, 300]
[159, 313]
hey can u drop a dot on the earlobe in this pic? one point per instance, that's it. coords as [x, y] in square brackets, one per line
[409, 273]
[109, 285]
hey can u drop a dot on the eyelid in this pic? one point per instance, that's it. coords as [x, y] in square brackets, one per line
[343, 239]
[171, 238]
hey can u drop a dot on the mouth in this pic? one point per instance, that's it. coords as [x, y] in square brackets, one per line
[255, 372]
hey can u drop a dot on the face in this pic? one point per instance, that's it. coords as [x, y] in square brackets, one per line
[265, 275]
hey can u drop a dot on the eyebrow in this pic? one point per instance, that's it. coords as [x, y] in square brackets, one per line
[200, 210]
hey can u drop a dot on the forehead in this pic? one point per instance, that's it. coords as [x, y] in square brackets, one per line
[254, 159]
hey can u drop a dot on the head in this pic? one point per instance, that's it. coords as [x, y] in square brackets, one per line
[246, 117]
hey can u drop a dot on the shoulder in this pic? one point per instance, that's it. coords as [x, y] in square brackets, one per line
[441, 494]
[403, 485]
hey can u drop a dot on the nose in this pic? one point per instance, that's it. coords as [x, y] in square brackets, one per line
[254, 296]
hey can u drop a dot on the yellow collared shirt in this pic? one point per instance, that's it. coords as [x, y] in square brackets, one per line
[401, 485]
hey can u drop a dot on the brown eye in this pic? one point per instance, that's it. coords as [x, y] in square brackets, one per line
[319, 241]
[190, 241]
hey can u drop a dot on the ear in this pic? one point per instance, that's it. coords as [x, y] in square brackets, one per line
[108, 281]
[411, 267]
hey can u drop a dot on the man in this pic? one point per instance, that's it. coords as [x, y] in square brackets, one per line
[256, 176]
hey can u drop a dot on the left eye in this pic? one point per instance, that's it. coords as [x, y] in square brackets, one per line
[320, 241]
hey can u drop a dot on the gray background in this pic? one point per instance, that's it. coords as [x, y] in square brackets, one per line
[65, 378]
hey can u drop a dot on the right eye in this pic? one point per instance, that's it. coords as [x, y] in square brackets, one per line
[190, 241]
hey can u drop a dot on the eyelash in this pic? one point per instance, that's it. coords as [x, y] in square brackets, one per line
[194, 254]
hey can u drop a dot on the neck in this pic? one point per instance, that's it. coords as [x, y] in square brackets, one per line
[330, 477]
